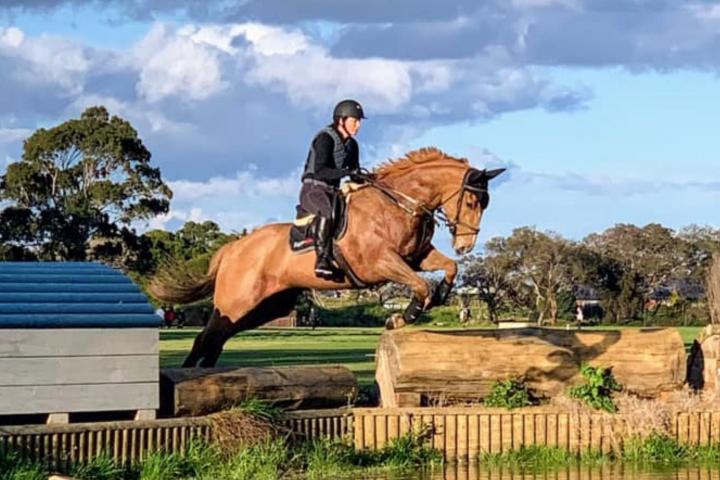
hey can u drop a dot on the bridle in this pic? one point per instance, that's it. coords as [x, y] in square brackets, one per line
[481, 191]
[438, 215]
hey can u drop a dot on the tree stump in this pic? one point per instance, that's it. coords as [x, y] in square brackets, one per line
[198, 391]
[422, 367]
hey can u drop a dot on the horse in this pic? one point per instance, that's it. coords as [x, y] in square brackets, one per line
[388, 238]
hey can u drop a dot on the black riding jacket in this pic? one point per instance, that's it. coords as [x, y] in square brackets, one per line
[330, 158]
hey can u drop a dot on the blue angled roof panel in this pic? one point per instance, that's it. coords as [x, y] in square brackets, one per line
[70, 295]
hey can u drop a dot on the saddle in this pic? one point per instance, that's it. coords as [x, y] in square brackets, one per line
[301, 232]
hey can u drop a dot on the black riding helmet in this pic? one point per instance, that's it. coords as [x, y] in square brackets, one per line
[348, 108]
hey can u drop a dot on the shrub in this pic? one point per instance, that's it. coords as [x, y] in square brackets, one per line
[510, 393]
[598, 389]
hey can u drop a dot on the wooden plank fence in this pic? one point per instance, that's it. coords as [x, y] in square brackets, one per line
[314, 424]
[460, 434]
[125, 442]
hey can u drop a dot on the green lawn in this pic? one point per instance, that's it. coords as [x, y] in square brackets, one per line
[349, 346]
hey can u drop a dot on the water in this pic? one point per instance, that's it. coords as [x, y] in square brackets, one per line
[607, 472]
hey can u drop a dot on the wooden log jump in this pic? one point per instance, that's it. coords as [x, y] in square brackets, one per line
[417, 367]
[197, 391]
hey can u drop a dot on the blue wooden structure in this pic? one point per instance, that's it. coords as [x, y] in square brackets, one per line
[75, 337]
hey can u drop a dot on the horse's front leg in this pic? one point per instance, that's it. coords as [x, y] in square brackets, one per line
[394, 269]
[433, 261]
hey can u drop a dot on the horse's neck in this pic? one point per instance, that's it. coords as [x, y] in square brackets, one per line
[424, 186]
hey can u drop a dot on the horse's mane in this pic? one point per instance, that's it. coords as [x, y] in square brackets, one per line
[416, 158]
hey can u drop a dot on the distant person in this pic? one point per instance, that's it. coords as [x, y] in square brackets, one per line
[169, 316]
[464, 315]
[313, 317]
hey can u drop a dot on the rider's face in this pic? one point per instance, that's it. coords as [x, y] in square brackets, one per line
[351, 125]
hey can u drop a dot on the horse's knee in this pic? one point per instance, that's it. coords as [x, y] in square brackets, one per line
[421, 289]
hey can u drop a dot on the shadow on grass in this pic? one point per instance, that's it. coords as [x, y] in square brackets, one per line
[265, 357]
[271, 334]
[360, 360]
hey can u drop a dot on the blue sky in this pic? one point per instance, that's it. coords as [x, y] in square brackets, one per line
[604, 112]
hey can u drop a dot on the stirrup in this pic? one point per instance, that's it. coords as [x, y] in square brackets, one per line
[325, 269]
[325, 273]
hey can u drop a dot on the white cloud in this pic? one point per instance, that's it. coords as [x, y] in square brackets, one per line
[174, 63]
[161, 221]
[45, 59]
[313, 79]
[141, 116]
[525, 4]
[246, 184]
[12, 135]
[268, 40]
[11, 37]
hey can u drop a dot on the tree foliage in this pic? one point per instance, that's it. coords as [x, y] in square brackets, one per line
[538, 263]
[631, 270]
[78, 188]
[492, 278]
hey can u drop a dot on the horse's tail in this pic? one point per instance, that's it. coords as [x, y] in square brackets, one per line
[180, 286]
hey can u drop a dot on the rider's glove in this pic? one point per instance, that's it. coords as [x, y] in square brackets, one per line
[359, 176]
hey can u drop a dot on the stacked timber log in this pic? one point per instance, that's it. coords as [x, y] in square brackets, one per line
[420, 367]
[198, 391]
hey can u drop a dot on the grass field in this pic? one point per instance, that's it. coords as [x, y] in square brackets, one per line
[349, 346]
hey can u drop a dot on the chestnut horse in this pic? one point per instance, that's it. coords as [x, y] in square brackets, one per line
[257, 278]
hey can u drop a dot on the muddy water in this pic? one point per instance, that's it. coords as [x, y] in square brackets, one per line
[610, 472]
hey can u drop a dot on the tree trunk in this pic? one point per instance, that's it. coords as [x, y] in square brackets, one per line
[416, 367]
[197, 391]
[552, 300]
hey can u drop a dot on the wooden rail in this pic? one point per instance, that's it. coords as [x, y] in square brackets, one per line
[460, 434]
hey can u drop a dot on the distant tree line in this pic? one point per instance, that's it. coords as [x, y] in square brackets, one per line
[633, 273]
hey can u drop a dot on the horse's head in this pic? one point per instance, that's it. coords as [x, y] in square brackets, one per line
[465, 205]
[437, 180]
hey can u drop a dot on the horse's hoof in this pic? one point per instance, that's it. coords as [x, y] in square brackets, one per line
[395, 322]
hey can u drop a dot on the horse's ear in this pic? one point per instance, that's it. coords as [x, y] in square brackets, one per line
[475, 176]
[490, 174]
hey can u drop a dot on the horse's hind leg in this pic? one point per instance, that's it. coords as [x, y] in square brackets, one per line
[220, 329]
[196, 352]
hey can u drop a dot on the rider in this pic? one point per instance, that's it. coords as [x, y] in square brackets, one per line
[334, 153]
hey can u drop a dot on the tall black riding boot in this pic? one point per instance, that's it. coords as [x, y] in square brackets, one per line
[323, 242]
